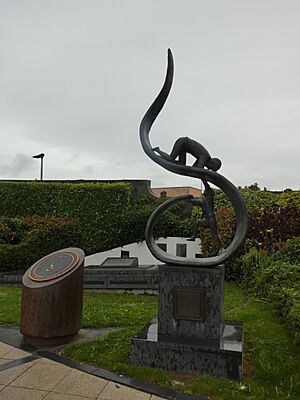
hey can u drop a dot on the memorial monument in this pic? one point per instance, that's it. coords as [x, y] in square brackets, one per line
[190, 334]
[52, 298]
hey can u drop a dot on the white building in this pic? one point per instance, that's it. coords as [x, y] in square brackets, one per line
[172, 245]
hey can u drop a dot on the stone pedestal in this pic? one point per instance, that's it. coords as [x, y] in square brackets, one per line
[190, 334]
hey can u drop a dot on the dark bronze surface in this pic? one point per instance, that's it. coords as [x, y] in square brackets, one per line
[51, 307]
[204, 169]
[189, 304]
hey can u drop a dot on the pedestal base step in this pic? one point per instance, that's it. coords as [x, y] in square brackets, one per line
[225, 361]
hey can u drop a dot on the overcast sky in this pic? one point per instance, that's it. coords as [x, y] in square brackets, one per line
[76, 77]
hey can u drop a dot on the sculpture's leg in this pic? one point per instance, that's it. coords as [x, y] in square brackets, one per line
[213, 226]
[179, 150]
[201, 223]
[166, 156]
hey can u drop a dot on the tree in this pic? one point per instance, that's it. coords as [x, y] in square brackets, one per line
[254, 187]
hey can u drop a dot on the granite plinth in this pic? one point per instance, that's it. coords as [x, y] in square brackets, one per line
[199, 357]
[198, 293]
[190, 334]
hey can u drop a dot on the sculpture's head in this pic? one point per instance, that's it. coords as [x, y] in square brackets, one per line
[214, 164]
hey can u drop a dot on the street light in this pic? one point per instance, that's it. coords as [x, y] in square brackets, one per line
[41, 156]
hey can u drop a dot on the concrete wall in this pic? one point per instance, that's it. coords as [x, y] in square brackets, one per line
[141, 251]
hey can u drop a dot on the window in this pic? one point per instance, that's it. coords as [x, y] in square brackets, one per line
[181, 249]
[162, 246]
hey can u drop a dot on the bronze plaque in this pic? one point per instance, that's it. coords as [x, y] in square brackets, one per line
[53, 266]
[189, 304]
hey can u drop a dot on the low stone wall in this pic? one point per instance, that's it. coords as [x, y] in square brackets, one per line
[144, 278]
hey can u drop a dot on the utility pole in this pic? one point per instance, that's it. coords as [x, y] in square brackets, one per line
[41, 156]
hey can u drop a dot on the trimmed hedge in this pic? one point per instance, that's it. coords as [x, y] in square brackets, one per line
[99, 207]
[176, 221]
[259, 200]
[27, 239]
[106, 217]
[277, 279]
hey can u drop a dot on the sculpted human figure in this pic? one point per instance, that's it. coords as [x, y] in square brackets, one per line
[184, 146]
[208, 219]
[205, 168]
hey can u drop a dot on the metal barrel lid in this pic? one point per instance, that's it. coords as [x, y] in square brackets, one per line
[55, 265]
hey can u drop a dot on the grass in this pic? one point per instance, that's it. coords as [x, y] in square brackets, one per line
[126, 310]
[271, 361]
[10, 304]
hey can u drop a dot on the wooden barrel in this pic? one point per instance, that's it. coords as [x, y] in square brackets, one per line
[52, 298]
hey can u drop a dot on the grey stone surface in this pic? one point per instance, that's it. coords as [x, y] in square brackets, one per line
[11, 279]
[145, 277]
[191, 341]
[121, 278]
[199, 357]
[117, 262]
[211, 282]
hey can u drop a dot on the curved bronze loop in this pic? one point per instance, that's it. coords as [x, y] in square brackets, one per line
[213, 177]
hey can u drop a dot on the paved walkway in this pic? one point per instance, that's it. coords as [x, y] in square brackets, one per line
[26, 377]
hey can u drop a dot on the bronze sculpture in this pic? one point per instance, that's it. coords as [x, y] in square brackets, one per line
[205, 169]
[208, 219]
[186, 145]
[190, 334]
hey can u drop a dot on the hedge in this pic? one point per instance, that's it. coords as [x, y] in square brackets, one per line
[176, 221]
[24, 240]
[273, 219]
[277, 279]
[106, 216]
[258, 200]
[99, 207]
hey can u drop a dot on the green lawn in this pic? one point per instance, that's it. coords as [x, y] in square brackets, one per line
[271, 362]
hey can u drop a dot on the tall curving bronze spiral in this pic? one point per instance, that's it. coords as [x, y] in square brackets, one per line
[206, 175]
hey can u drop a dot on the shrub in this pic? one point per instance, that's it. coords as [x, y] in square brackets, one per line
[289, 251]
[40, 236]
[258, 200]
[99, 207]
[276, 281]
[106, 215]
[173, 222]
[269, 228]
[12, 230]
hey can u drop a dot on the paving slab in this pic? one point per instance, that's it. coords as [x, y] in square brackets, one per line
[42, 376]
[57, 378]
[4, 349]
[15, 393]
[114, 391]
[9, 375]
[16, 354]
[60, 396]
[81, 384]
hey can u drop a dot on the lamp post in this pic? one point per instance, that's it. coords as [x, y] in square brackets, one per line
[41, 156]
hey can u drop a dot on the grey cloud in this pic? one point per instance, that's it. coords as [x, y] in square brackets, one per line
[21, 163]
[77, 79]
